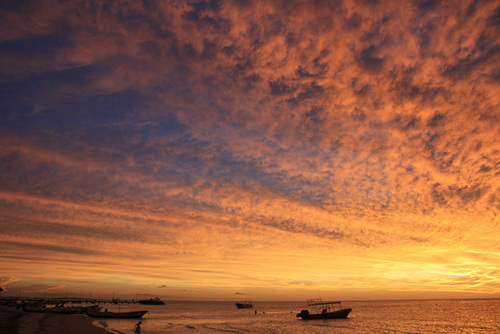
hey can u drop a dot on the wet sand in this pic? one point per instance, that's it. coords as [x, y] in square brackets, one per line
[13, 321]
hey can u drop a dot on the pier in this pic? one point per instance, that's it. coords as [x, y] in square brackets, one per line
[65, 300]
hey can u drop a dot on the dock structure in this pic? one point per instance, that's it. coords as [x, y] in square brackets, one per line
[65, 300]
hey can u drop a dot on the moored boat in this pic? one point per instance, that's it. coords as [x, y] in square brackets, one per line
[110, 314]
[245, 304]
[152, 301]
[324, 310]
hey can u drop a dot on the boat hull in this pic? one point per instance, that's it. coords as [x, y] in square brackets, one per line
[151, 302]
[239, 305]
[340, 314]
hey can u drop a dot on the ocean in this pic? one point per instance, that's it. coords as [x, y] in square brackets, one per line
[400, 316]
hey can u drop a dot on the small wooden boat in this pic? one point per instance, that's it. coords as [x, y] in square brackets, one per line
[245, 304]
[152, 301]
[110, 314]
[324, 310]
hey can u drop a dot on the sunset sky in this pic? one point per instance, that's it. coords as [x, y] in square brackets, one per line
[265, 150]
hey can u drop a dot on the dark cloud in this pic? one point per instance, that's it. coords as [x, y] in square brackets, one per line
[465, 66]
[426, 5]
[314, 116]
[405, 122]
[14, 4]
[436, 120]
[306, 92]
[36, 45]
[280, 87]
[203, 13]
[297, 227]
[494, 19]
[369, 60]
[438, 195]
[470, 194]
[484, 169]
[40, 247]
[353, 22]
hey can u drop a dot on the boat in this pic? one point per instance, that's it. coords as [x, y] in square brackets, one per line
[85, 309]
[152, 301]
[324, 310]
[110, 314]
[245, 304]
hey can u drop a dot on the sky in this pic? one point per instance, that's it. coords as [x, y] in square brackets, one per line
[265, 150]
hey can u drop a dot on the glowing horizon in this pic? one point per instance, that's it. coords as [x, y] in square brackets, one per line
[262, 150]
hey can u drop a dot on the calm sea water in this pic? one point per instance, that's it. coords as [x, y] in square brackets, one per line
[406, 316]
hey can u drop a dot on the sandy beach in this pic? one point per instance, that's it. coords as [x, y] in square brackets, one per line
[13, 321]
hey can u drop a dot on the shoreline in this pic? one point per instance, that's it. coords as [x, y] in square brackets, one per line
[14, 321]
